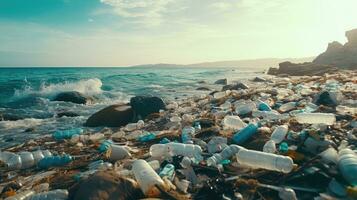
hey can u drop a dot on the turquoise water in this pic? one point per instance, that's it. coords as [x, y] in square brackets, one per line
[27, 92]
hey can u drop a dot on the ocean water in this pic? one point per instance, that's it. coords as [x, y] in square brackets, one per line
[27, 93]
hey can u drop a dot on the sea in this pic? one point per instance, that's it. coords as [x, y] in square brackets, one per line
[27, 93]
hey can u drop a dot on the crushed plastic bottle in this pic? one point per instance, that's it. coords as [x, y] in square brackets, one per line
[269, 161]
[347, 163]
[316, 118]
[58, 194]
[147, 178]
[176, 149]
[67, 134]
[245, 134]
[54, 161]
[233, 122]
[227, 153]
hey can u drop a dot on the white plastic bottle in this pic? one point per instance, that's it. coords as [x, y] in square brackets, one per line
[316, 118]
[22, 195]
[147, 178]
[59, 194]
[269, 161]
[233, 122]
[279, 133]
[176, 149]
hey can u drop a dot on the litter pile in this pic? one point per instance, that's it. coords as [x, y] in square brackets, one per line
[276, 138]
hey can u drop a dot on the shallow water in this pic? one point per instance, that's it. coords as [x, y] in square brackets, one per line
[27, 92]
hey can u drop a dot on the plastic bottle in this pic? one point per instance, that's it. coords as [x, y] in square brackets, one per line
[245, 134]
[269, 147]
[105, 145]
[279, 133]
[269, 161]
[147, 178]
[24, 160]
[269, 115]
[168, 171]
[227, 153]
[67, 134]
[146, 137]
[245, 108]
[117, 152]
[176, 149]
[59, 194]
[22, 196]
[216, 144]
[134, 126]
[187, 134]
[284, 192]
[287, 107]
[347, 163]
[219, 95]
[316, 118]
[54, 161]
[233, 122]
[330, 155]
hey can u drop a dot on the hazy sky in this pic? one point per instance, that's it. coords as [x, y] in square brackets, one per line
[128, 32]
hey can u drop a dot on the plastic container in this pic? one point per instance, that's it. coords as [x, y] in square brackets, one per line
[147, 178]
[24, 160]
[245, 134]
[168, 171]
[146, 137]
[22, 196]
[287, 107]
[262, 106]
[176, 149]
[216, 144]
[269, 147]
[347, 163]
[227, 153]
[245, 108]
[269, 115]
[67, 134]
[54, 161]
[187, 134]
[134, 126]
[233, 122]
[117, 152]
[279, 133]
[59, 194]
[316, 118]
[269, 161]
[330, 155]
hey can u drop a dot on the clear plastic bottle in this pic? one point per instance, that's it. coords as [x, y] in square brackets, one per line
[117, 152]
[269, 147]
[227, 153]
[330, 155]
[147, 178]
[245, 107]
[176, 149]
[269, 115]
[22, 196]
[347, 163]
[279, 133]
[219, 95]
[59, 194]
[67, 134]
[24, 160]
[233, 122]
[287, 107]
[316, 118]
[269, 161]
[245, 134]
[216, 144]
[134, 126]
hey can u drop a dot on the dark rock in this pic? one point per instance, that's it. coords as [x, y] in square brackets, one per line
[259, 79]
[221, 82]
[301, 69]
[32, 129]
[111, 116]
[201, 82]
[74, 97]
[105, 186]
[67, 114]
[203, 88]
[236, 86]
[326, 98]
[9, 117]
[146, 105]
[341, 56]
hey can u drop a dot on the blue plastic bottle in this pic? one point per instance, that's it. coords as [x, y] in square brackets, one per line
[347, 164]
[165, 141]
[263, 106]
[67, 134]
[105, 145]
[54, 161]
[168, 171]
[245, 134]
[147, 137]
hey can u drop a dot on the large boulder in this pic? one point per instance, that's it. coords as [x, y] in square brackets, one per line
[146, 105]
[301, 69]
[74, 97]
[341, 56]
[111, 116]
[106, 186]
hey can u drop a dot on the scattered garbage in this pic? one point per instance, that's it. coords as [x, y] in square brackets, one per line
[275, 138]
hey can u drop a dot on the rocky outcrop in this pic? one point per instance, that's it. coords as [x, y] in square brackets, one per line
[341, 56]
[111, 116]
[146, 105]
[223, 81]
[235, 86]
[74, 97]
[301, 69]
